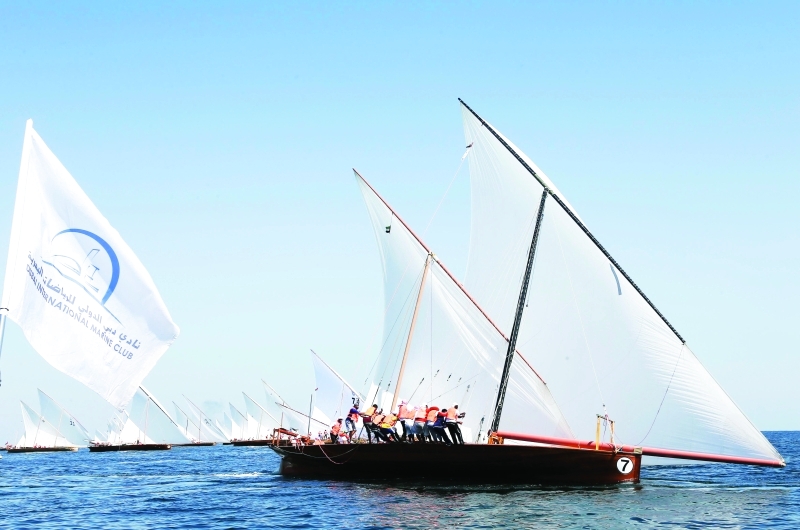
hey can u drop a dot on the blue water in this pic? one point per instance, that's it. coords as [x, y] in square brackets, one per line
[229, 487]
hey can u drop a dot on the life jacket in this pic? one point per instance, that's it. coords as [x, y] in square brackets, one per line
[368, 414]
[378, 418]
[419, 414]
[336, 428]
[388, 421]
[452, 413]
[402, 410]
[432, 412]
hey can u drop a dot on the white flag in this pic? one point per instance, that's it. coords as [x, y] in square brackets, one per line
[81, 296]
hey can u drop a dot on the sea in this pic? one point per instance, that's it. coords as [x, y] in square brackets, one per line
[238, 487]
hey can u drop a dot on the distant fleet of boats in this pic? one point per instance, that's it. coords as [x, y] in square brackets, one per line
[564, 370]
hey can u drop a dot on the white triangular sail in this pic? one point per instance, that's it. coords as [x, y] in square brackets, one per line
[153, 421]
[226, 426]
[238, 424]
[64, 422]
[207, 429]
[38, 431]
[457, 353]
[591, 334]
[260, 422]
[333, 396]
[186, 425]
[81, 296]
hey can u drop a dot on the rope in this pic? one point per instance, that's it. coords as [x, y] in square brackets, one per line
[664, 397]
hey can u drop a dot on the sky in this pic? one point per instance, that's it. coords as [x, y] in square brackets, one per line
[218, 139]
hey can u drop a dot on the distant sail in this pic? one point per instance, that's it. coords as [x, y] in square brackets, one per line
[207, 430]
[260, 422]
[457, 353]
[81, 296]
[600, 345]
[63, 421]
[238, 424]
[153, 421]
[334, 396]
[38, 431]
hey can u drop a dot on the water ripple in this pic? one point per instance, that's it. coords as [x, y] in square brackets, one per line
[228, 487]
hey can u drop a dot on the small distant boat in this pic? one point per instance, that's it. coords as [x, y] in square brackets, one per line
[103, 448]
[43, 435]
[148, 427]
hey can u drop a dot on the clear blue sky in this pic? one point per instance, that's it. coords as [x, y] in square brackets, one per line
[218, 139]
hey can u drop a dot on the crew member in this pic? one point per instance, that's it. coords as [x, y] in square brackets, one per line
[377, 420]
[451, 421]
[438, 427]
[335, 429]
[368, 426]
[406, 417]
[419, 422]
[430, 419]
[387, 427]
[350, 422]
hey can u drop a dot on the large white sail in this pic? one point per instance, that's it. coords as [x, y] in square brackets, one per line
[456, 354]
[600, 345]
[333, 396]
[81, 296]
[64, 422]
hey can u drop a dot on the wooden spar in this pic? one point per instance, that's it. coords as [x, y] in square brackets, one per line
[411, 331]
[648, 451]
[523, 294]
[446, 271]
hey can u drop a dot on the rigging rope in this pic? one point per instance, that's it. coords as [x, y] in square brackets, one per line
[664, 397]
[580, 319]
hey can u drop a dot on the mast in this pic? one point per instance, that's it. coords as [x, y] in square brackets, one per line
[411, 330]
[446, 271]
[512, 341]
[572, 216]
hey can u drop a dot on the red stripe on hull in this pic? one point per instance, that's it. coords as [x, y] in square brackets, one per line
[648, 451]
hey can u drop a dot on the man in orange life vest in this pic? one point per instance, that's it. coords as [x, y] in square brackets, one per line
[451, 421]
[368, 425]
[335, 431]
[377, 420]
[406, 417]
[430, 419]
[419, 422]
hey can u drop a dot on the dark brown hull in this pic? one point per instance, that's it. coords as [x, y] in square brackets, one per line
[470, 463]
[196, 444]
[40, 449]
[129, 447]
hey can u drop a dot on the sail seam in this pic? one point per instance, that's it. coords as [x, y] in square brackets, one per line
[573, 216]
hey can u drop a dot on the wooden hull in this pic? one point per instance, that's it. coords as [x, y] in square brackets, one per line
[129, 447]
[40, 449]
[470, 463]
[196, 444]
